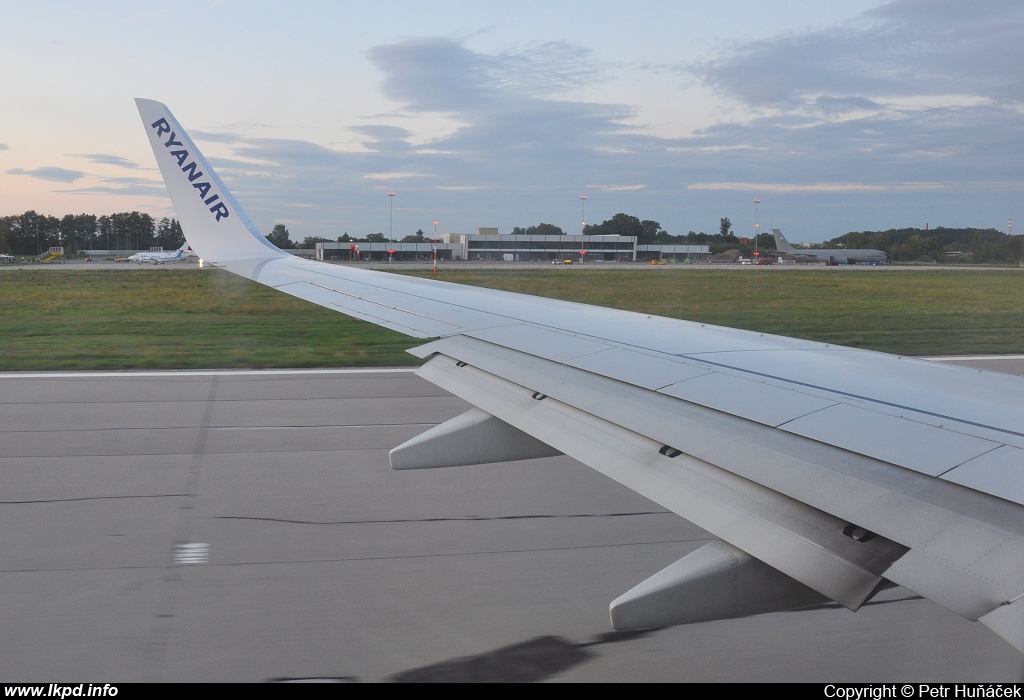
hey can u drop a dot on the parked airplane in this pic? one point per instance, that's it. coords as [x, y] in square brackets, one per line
[824, 472]
[829, 256]
[159, 258]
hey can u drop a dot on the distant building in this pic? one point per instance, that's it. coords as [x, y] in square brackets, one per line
[517, 248]
[486, 231]
[406, 252]
[676, 253]
[541, 248]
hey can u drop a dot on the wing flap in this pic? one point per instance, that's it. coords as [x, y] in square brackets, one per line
[964, 568]
[803, 542]
[912, 509]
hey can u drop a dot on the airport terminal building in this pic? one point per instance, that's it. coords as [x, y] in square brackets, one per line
[516, 248]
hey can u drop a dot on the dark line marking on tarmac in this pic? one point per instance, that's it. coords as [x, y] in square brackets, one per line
[399, 557]
[467, 518]
[247, 400]
[209, 452]
[315, 679]
[220, 427]
[93, 498]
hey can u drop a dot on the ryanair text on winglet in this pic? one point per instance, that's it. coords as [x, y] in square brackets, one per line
[219, 209]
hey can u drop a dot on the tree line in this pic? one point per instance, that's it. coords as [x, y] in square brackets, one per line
[940, 244]
[32, 233]
[281, 237]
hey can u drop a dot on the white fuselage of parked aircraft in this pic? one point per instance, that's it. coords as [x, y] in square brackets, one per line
[158, 258]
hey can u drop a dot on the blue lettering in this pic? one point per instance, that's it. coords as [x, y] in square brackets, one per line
[161, 126]
[220, 210]
[190, 170]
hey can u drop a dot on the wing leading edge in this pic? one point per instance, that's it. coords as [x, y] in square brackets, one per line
[825, 472]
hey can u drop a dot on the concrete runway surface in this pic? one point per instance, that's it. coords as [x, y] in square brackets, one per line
[245, 526]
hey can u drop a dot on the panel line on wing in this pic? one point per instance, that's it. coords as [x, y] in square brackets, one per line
[371, 301]
[860, 397]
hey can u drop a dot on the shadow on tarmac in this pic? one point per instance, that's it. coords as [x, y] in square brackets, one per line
[529, 661]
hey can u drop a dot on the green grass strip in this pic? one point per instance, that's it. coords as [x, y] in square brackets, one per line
[153, 319]
[176, 319]
[903, 311]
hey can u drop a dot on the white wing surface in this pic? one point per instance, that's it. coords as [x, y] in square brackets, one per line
[825, 472]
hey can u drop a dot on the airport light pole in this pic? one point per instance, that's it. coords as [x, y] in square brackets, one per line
[583, 212]
[391, 225]
[435, 246]
[757, 224]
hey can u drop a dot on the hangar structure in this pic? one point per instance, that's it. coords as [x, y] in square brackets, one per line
[515, 247]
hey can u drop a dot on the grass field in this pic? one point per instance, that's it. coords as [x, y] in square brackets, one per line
[910, 312]
[134, 319]
[72, 319]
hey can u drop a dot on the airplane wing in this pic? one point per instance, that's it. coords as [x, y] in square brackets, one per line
[825, 472]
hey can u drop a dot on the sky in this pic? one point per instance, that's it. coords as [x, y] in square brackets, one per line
[860, 115]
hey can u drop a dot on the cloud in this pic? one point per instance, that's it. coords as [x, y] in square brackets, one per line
[131, 186]
[381, 132]
[616, 188]
[844, 105]
[437, 74]
[49, 173]
[832, 116]
[392, 176]
[514, 109]
[908, 92]
[3, 147]
[904, 47]
[214, 136]
[515, 126]
[816, 187]
[107, 159]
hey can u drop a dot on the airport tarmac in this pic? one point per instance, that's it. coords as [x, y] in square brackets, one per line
[245, 526]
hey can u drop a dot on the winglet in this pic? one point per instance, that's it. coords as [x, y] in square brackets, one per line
[213, 223]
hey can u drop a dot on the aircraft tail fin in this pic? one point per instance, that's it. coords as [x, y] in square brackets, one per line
[780, 241]
[218, 229]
